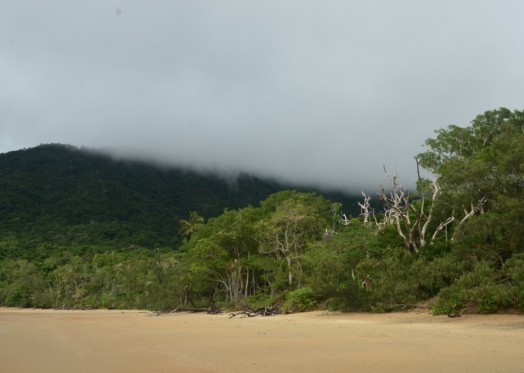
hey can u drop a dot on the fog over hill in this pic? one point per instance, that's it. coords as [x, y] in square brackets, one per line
[317, 93]
[52, 187]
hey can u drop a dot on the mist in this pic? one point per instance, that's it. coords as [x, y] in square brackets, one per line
[318, 93]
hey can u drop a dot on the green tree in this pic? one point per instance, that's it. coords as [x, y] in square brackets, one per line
[187, 226]
[292, 220]
[480, 170]
[22, 285]
[477, 164]
[332, 265]
[221, 254]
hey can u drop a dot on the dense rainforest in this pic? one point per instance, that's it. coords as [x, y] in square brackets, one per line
[80, 230]
[59, 194]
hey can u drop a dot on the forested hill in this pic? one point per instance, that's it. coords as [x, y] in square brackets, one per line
[82, 230]
[59, 194]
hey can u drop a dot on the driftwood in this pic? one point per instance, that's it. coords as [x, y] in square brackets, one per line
[247, 311]
[250, 312]
[208, 310]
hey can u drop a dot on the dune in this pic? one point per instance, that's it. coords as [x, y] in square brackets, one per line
[137, 341]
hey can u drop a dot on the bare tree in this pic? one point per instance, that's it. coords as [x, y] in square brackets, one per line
[413, 219]
[400, 211]
[365, 208]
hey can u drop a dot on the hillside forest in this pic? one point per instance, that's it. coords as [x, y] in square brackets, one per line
[456, 243]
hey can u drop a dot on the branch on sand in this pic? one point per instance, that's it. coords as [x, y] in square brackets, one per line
[208, 310]
[250, 312]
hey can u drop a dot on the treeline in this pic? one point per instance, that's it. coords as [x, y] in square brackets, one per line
[456, 243]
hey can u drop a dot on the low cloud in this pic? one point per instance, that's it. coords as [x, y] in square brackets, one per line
[318, 93]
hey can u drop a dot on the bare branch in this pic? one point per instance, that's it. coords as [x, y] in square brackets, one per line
[365, 208]
[429, 217]
[441, 226]
[474, 208]
[397, 207]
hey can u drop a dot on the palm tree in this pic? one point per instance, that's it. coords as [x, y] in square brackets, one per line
[187, 227]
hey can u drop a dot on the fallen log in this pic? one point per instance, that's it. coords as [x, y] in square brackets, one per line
[209, 311]
[249, 312]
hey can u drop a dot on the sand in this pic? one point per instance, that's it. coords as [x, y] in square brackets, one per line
[136, 341]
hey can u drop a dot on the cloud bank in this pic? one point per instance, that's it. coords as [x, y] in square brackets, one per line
[316, 92]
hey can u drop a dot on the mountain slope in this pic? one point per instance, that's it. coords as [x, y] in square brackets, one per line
[62, 195]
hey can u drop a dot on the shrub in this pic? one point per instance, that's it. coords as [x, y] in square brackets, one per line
[478, 291]
[438, 273]
[514, 272]
[391, 283]
[300, 300]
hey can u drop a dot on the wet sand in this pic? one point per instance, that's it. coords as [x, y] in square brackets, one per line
[135, 341]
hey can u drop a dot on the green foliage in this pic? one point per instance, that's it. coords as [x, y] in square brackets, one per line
[300, 300]
[331, 265]
[22, 285]
[109, 280]
[460, 143]
[389, 281]
[187, 227]
[74, 226]
[291, 220]
[78, 230]
[513, 273]
[482, 290]
[66, 196]
[481, 175]
[481, 165]
[261, 300]
[436, 273]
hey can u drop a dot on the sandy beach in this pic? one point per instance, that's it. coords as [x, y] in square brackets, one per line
[136, 341]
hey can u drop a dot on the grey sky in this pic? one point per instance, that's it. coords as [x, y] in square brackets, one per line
[322, 92]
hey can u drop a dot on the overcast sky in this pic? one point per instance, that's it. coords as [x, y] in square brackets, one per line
[318, 92]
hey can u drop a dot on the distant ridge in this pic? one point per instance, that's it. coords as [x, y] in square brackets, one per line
[69, 195]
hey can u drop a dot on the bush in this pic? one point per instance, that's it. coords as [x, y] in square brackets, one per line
[478, 291]
[391, 282]
[514, 272]
[261, 301]
[300, 300]
[337, 304]
[438, 273]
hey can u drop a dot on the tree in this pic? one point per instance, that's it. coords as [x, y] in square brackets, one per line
[221, 254]
[332, 265]
[187, 227]
[479, 170]
[292, 220]
[413, 218]
[22, 285]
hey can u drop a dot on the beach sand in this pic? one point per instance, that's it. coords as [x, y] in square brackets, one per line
[137, 341]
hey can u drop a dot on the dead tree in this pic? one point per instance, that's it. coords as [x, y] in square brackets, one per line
[401, 212]
[365, 208]
[413, 220]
